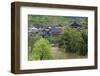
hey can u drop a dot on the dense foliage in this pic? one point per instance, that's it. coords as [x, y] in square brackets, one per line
[41, 50]
[42, 21]
[32, 40]
[74, 41]
[84, 43]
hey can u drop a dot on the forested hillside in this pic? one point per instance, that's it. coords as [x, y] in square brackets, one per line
[55, 20]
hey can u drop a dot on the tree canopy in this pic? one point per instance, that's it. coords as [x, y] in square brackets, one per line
[44, 20]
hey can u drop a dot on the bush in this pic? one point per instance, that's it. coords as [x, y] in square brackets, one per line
[69, 40]
[41, 50]
[53, 40]
[73, 41]
[84, 43]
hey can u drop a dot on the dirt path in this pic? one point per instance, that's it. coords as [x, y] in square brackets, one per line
[58, 54]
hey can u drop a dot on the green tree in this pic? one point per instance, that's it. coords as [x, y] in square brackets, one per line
[41, 50]
[73, 41]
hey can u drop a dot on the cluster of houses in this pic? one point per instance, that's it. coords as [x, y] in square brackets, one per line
[46, 32]
[77, 26]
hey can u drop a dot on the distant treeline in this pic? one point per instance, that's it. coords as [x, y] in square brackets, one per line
[45, 20]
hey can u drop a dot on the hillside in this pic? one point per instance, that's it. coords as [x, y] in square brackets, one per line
[45, 21]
